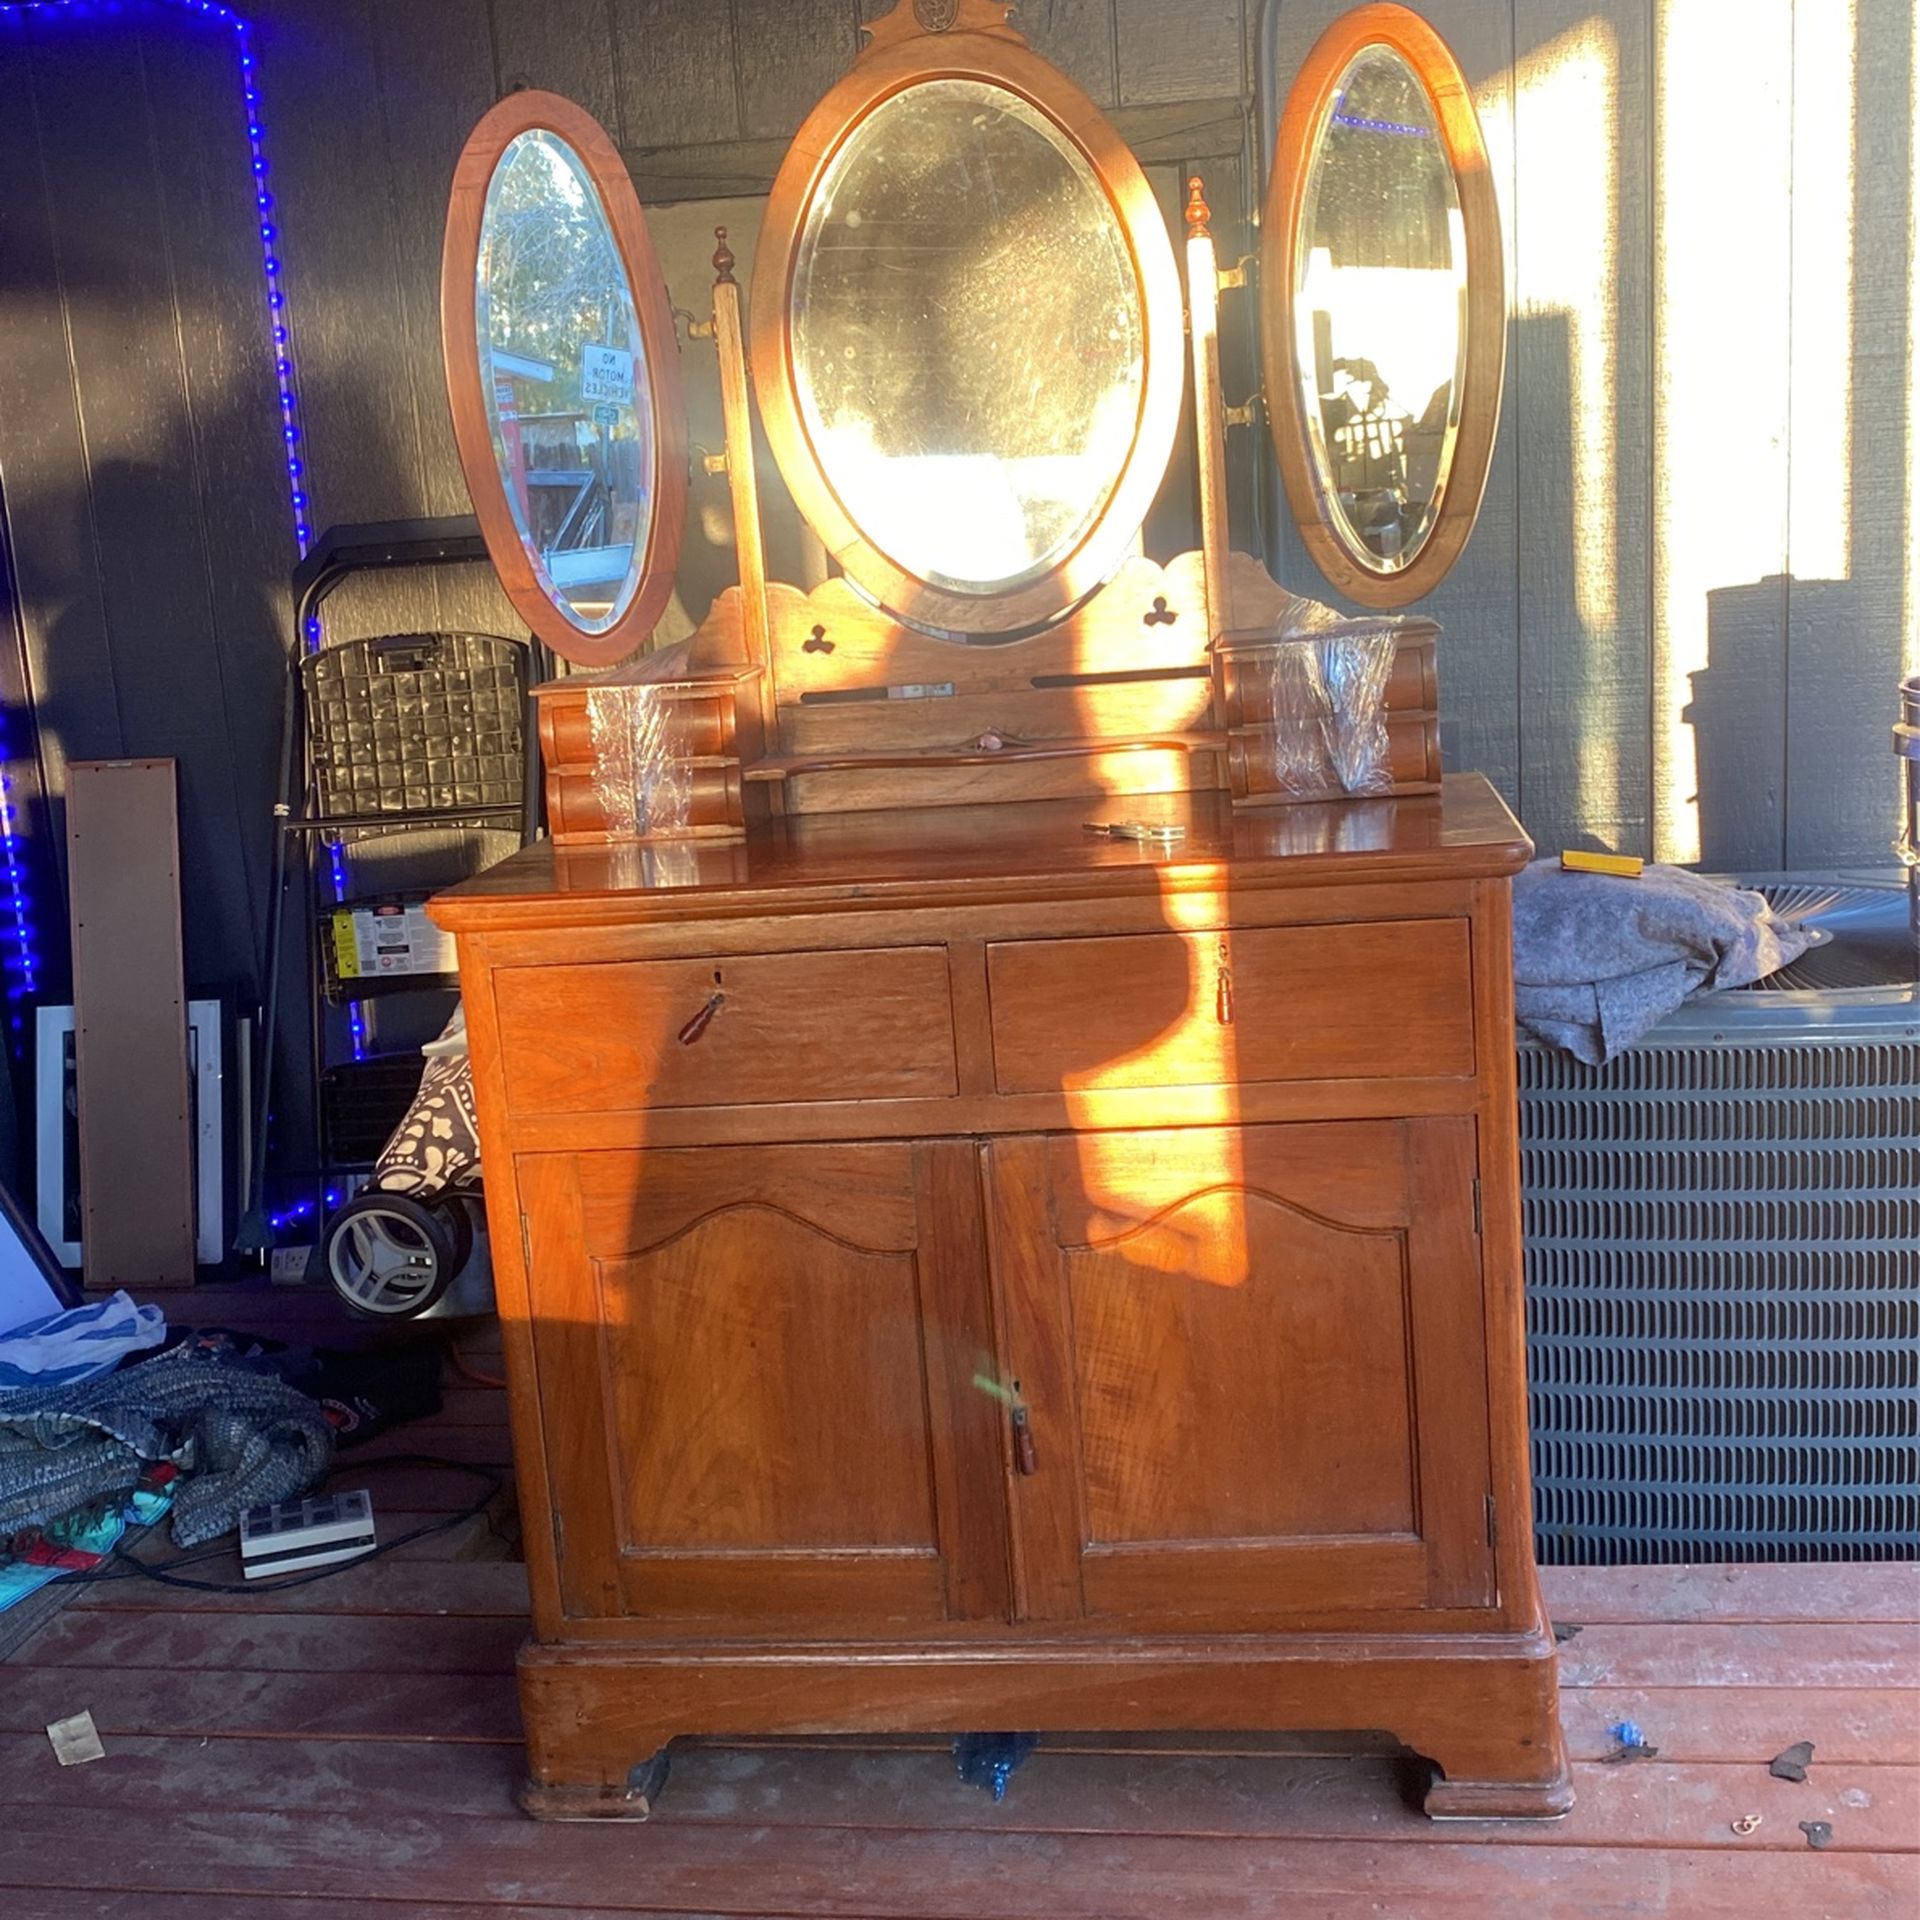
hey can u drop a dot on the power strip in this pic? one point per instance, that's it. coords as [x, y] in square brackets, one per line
[319, 1531]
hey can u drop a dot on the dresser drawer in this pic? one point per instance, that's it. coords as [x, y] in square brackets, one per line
[872, 1024]
[1372, 1000]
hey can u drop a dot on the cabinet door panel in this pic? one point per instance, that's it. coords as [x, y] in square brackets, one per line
[747, 1360]
[1224, 1393]
[749, 1411]
[1253, 1367]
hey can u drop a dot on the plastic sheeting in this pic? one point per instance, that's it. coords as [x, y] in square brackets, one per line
[1329, 691]
[640, 775]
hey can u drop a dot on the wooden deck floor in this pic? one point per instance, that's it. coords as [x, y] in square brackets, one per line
[351, 1747]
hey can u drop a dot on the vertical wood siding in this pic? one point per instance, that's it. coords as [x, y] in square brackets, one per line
[1678, 629]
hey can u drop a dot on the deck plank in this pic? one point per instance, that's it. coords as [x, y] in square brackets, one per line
[387, 1586]
[194, 1705]
[1647, 1804]
[1732, 1596]
[807, 1870]
[411, 1487]
[1878, 1656]
[1798, 1654]
[481, 1446]
[56, 1904]
[115, 1644]
[1850, 1725]
[463, 1405]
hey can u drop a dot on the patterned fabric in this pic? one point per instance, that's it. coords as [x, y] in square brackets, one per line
[240, 1439]
[437, 1146]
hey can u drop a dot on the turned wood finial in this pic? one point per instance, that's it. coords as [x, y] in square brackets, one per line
[1198, 212]
[723, 258]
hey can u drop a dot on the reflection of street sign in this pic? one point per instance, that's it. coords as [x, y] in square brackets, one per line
[605, 415]
[606, 374]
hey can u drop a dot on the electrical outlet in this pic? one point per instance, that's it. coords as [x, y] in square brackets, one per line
[290, 1264]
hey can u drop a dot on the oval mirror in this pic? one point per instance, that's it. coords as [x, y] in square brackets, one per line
[1384, 328]
[563, 377]
[966, 335]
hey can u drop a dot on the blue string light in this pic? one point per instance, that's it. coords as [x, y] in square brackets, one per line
[356, 1014]
[1374, 126]
[1379, 126]
[19, 964]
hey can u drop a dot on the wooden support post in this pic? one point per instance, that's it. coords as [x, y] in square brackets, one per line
[1203, 324]
[742, 486]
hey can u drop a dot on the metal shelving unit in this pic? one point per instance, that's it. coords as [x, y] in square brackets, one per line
[398, 734]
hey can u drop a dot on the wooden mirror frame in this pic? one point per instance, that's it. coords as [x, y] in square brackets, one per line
[1432, 61]
[528, 112]
[906, 49]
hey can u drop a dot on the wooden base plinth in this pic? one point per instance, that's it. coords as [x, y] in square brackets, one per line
[1482, 1707]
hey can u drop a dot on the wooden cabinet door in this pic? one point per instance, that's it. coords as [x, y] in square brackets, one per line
[756, 1370]
[1252, 1365]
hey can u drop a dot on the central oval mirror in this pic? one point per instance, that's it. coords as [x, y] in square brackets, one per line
[966, 338]
[1384, 331]
[930, 297]
[561, 366]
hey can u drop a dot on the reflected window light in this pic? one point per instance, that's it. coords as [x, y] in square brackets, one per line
[1564, 102]
[1820, 382]
[1910, 573]
[1721, 350]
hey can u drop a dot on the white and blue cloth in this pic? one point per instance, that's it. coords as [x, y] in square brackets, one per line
[79, 1343]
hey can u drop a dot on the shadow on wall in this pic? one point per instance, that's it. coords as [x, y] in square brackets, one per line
[155, 601]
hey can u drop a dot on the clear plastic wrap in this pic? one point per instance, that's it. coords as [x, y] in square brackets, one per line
[1328, 689]
[640, 775]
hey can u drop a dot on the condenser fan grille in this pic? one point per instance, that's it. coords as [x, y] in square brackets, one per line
[1723, 1265]
[1865, 937]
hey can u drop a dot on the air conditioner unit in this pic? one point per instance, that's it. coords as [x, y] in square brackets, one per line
[1723, 1262]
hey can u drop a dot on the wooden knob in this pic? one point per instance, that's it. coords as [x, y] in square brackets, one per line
[1199, 214]
[722, 258]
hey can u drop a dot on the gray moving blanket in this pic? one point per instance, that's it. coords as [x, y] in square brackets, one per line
[240, 1439]
[1598, 959]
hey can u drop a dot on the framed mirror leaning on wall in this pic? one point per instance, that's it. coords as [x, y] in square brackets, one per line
[1383, 323]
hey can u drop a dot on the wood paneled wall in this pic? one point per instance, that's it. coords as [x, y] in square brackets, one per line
[1681, 622]
[1645, 615]
[139, 444]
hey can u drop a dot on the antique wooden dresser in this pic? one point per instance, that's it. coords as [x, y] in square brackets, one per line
[961, 1272]
[965, 1268]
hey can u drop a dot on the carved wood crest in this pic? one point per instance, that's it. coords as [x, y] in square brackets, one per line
[910, 19]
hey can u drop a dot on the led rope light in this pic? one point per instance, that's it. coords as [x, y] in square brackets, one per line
[18, 959]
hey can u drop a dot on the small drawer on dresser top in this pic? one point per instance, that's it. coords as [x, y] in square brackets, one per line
[1367, 1000]
[742, 1029]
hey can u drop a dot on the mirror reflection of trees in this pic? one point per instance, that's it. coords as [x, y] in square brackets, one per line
[550, 276]
[565, 378]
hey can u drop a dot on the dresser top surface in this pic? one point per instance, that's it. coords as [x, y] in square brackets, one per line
[966, 854]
